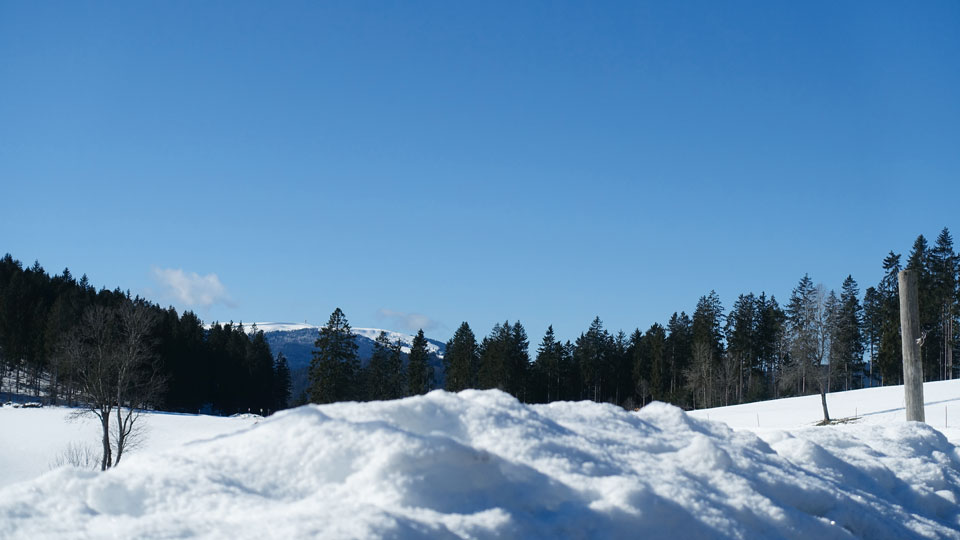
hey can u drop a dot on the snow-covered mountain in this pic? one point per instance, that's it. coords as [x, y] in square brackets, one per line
[295, 341]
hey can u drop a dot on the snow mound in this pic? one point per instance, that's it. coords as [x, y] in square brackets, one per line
[479, 464]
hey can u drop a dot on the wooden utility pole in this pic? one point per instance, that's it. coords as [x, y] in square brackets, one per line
[948, 343]
[910, 333]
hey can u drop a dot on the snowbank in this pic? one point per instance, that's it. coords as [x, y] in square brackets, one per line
[480, 464]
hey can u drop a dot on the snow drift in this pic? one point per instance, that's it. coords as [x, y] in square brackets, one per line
[480, 464]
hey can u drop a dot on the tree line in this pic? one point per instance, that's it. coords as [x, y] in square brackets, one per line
[335, 372]
[45, 320]
[817, 342]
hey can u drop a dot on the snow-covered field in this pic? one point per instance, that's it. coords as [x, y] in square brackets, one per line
[480, 464]
[31, 440]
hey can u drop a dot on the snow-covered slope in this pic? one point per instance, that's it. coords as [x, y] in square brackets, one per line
[882, 405]
[480, 464]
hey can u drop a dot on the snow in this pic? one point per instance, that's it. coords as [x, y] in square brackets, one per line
[880, 405]
[32, 439]
[479, 464]
[280, 326]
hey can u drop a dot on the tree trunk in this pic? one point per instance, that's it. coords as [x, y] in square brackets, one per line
[910, 332]
[106, 462]
[823, 402]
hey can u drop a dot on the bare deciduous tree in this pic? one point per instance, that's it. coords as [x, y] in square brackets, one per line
[110, 357]
[139, 380]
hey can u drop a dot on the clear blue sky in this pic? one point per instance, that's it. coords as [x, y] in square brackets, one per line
[434, 162]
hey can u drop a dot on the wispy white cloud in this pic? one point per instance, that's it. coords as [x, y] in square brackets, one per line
[191, 289]
[409, 322]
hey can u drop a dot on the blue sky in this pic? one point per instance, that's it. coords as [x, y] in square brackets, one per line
[425, 163]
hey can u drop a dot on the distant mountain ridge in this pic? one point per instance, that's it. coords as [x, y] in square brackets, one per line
[295, 341]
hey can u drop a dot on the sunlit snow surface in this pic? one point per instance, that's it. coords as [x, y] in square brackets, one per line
[480, 464]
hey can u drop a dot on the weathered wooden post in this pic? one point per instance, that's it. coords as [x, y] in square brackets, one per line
[910, 333]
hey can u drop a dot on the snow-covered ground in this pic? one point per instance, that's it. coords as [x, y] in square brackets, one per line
[31, 440]
[480, 464]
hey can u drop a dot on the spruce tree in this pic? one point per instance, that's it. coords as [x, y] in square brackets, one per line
[848, 335]
[461, 359]
[679, 353]
[801, 316]
[920, 261]
[334, 366]
[591, 354]
[494, 369]
[872, 329]
[707, 345]
[708, 323]
[281, 383]
[741, 331]
[519, 361]
[396, 374]
[654, 344]
[419, 370]
[377, 377]
[771, 342]
[945, 297]
[622, 374]
[889, 354]
[640, 366]
[547, 367]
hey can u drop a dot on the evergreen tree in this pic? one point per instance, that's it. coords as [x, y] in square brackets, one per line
[873, 318]
[504, 359]
[622, 375]
[771, 344]
[396, 374]
[261, 396]
[377, 375]
[944, 298]
[889, 355]
[654, 344]
[547, 367]
[847, 340]
[742, 340]
[519, 363]
[801, 316]
[495, 351]
[591, 353]
[334, 366]
[679, 353]
[281, 383]
[461, 359]
[708, 323]
[640, 365]
[419, 370]
[708, 344]
[920, 261]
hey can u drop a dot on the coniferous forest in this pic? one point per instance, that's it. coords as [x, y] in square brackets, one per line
[815, 341]
[818, 341]
[221, 369]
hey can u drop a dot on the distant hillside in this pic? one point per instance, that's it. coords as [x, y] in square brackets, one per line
[295, 341]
